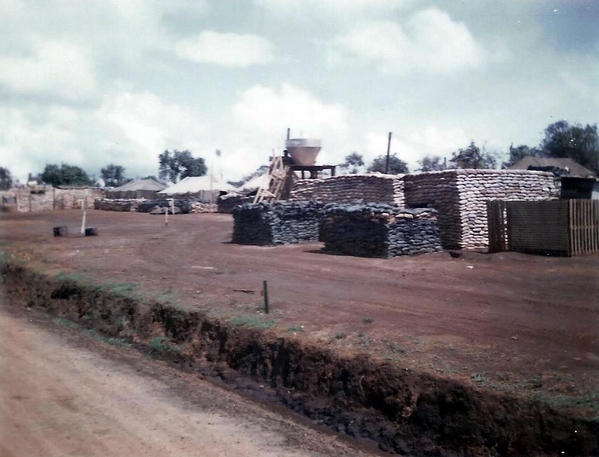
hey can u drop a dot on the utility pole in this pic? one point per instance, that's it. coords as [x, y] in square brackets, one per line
[388, 152]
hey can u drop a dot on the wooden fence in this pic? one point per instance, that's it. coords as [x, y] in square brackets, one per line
[583, 227]
[560, 227]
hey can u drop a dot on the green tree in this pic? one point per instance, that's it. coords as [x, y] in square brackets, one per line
[65, 175]
[473, 157]
[177, 165]
[353, 163]
[113, 175]
[516, 154]
[396, 165]
[573, 141]
[432, 163]
[5, 179]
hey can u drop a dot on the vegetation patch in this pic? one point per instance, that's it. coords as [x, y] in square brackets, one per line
[252, 321]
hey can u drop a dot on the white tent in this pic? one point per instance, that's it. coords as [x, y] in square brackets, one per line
[205, 187]
[255, 183]
[140, 188]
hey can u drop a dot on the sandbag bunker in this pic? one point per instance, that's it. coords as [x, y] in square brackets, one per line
[365, 230]
[379, 230]
[263, 224]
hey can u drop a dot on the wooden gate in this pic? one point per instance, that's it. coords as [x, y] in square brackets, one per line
[497, 226]
[583, 227]
[562, 227]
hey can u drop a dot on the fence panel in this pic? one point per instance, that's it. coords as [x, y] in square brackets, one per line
[583, 227]
[540, 226]
[497, 226]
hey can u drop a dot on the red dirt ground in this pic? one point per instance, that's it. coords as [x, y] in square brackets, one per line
[528, 325]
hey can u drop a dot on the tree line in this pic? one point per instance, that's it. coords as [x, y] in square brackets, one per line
[173, 166]
[561, 140]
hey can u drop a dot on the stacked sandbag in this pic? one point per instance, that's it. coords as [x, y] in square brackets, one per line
[280, 223]
[203, 207]
[374, 187]
[226, 203]
[106, 204]
[461, 197]
[379, 230]
[153, 206]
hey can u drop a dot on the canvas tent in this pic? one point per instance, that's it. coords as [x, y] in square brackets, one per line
[255, 183]
[140, 188]
[205, 188]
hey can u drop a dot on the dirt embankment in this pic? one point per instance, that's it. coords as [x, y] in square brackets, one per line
[404, 411]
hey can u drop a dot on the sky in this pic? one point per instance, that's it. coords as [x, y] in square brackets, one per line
[94, 82]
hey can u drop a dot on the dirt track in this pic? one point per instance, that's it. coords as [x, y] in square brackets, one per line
[525, 324]
[64, 393]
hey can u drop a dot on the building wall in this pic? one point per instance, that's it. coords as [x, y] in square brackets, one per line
[459, 196]
[476, 187]
[349, 188]
[438, 190]
[48, 198]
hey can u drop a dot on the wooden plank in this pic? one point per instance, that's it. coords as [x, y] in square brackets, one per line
[497, 228]
[571, 236]
[587, 232]
[596, 224]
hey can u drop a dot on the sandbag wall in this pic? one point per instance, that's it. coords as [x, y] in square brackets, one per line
[45, 198]
[280, 223]
[226, 203]
[105, 204]
[159, 206]
[348, 188]
[460, 196]
[379, 230]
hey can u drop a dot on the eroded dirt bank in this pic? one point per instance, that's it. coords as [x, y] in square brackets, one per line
[405, 411]
[64, 392]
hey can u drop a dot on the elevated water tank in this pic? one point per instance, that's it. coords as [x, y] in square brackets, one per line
[303, 151]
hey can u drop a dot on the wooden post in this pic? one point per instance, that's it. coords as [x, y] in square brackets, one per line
[82, 202]
[265, 288]
[388, 152]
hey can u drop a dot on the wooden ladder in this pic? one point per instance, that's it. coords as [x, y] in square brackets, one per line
[277, 173]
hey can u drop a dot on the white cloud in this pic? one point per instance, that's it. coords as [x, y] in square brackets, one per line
[53, 68]
[419, 142]
[263, 114]
[26, 144]
[226, 49]
[129, 129]
[265, 110]
[429, 41]
[331, 7]
[139, 126]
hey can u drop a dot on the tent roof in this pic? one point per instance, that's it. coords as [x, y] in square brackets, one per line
[574, 167]
[256, 183]
[195, 184]
[140, 184]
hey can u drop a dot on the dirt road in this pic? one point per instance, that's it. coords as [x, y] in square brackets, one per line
[66, 394]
